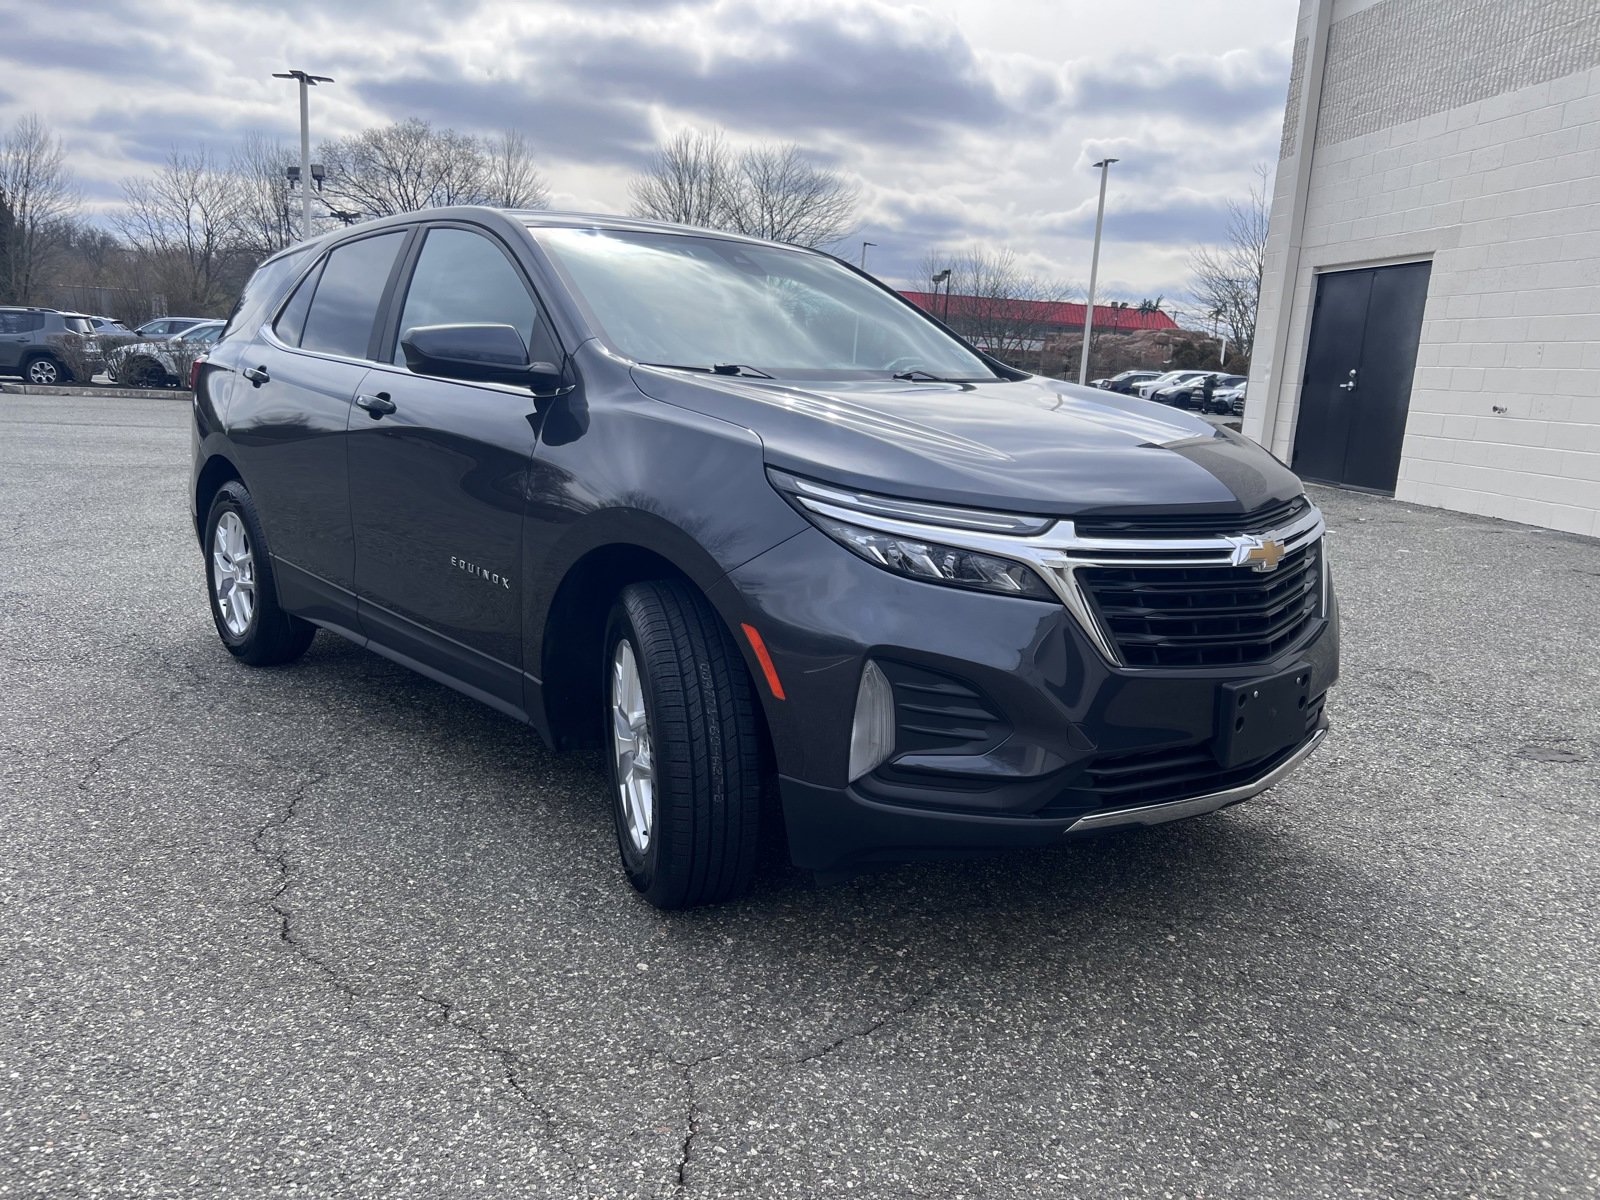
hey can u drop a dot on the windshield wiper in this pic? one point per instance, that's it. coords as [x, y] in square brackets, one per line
[714, 369]
[922, 375]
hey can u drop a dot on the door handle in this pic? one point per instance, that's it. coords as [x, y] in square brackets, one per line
[376, 406]
[1350, 386]
[256, 375]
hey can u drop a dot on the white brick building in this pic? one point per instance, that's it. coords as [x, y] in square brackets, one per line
[1461, 137]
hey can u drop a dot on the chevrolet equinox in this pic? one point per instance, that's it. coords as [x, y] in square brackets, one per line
[738, 513]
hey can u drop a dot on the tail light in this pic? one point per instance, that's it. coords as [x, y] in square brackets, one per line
[194, 373]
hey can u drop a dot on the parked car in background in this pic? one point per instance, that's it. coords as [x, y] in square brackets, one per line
[1236, 402]
[46, 346]
[163, 363]
[1126, 382]
[162, 327]
[110, 327]
[756, 526]
[1222, 399]
[1191, 392]
[1147, 391]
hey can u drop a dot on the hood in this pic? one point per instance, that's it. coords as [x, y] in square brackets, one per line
[1035, 445]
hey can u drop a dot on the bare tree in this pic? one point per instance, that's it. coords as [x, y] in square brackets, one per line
[263, 214]
[769, 191]
[689, 180]
[39, 197]
[1225, 280]
[403, 167]
[993, 301]
[180, 224]
[784, 197]
[513, 181]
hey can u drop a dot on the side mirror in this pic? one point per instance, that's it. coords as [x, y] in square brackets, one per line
[480, 354]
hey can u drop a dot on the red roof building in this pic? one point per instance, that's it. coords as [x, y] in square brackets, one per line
[1044, 316]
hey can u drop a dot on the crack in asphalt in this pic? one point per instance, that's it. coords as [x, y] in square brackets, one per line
[692, 1123]
[512, 1067]
[97, 760]
[278, 858]
[914, 1001]
[688, 1067]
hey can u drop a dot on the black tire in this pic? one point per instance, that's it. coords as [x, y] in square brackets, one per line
[701, 845]
[144, 373]
[44, 371]
[270, 636]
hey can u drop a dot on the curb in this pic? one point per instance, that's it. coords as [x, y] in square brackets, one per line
[111, 393]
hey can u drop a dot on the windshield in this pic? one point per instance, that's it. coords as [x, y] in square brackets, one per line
[704, 302]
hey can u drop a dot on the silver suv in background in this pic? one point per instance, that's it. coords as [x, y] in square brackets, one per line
[161, 362]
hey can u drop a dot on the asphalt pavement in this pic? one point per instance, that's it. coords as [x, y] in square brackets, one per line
[332, 930]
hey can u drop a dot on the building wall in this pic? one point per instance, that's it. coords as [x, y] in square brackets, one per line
[1466, 132]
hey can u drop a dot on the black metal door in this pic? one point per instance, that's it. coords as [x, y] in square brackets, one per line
[1357, 386]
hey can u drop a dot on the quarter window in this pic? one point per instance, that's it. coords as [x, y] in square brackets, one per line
[463, 278]
[345, 305]
[291, 321]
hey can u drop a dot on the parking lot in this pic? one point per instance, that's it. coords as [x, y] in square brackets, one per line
[335, 931]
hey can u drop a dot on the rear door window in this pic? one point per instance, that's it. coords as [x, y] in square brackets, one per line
[344, 308]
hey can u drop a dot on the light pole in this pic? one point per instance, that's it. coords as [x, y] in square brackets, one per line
[306, 83]
[1216, 332]
[864, 246]
[1094, 270]
[944, 278]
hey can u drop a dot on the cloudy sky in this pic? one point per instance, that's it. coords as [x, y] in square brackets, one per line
[967, 122]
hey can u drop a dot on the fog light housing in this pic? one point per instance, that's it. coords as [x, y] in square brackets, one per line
[872, 733]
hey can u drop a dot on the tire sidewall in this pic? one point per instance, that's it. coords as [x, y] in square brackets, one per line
[228, 500]
[640, 867]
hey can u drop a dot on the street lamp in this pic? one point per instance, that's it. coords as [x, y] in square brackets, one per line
[1216, 332]
[864, 246]
[306, 82]
[944, 278]
[1094, 270]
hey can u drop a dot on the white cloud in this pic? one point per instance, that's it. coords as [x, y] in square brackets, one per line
[966, 121]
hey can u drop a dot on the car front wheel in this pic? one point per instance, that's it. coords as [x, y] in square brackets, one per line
[684, 761]
[243, 589]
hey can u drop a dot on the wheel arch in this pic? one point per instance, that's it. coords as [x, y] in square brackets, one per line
[217, 470]
[572, 633]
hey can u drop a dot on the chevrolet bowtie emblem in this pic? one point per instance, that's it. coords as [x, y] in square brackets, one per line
[1257, 553]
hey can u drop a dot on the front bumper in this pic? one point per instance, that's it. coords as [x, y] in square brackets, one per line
[1012, 729]
[839, 828]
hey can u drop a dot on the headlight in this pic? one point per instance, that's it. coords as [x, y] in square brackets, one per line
[901, 536]
[930, 560]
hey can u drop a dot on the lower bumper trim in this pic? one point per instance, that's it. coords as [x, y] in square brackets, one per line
[1158, 814]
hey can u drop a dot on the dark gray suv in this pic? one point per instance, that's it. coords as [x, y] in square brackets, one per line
[760, 528]
[42, 345]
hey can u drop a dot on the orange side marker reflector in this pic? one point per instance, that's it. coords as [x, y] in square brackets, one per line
[765, 659]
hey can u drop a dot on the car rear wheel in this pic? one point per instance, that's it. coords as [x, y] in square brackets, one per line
[684, 761]
[243, 589]
[45, 372]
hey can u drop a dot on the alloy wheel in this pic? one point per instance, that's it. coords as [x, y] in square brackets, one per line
[43, 371]
[630, 741]
[233, 573]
